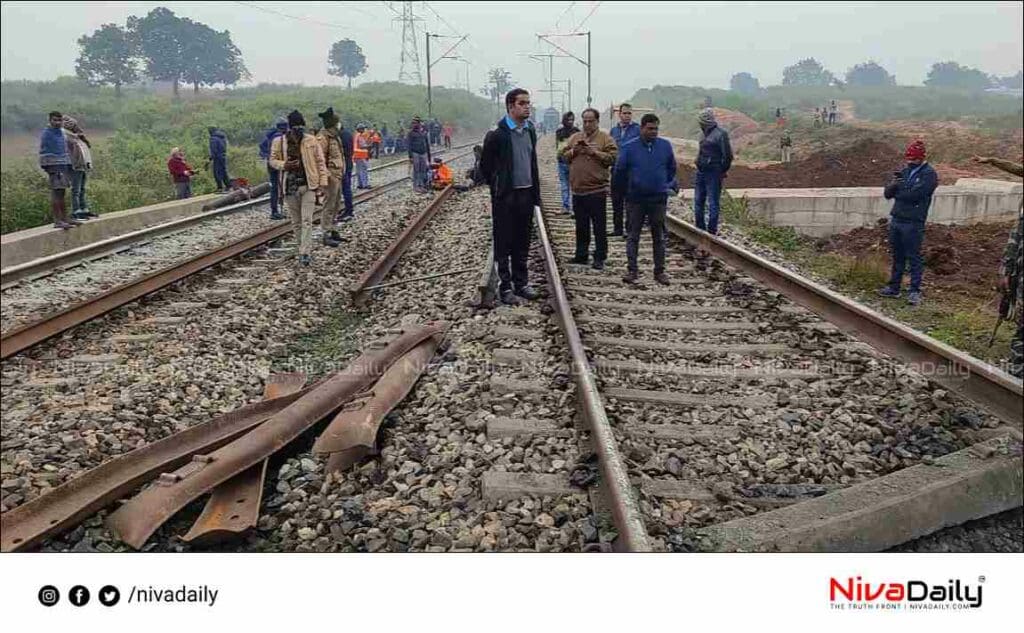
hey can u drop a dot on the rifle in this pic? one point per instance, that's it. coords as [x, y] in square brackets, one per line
[1004, 307]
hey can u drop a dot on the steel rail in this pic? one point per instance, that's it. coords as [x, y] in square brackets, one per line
[961, 373]
[65, 506]
[103, 248]
[25, 336]
[625, 510]
[137, 519]
[396, 249]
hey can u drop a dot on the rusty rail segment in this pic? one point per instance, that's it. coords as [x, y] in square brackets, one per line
[396, 249]
[21, 338]
[614, 476]
[136, 521]
[30, 334]
[355, 426]
[234, 506]
[225, 205]
[71, 502]
[961, 373]
[112, 245]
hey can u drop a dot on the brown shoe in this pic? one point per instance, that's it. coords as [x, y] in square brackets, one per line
[662, 279]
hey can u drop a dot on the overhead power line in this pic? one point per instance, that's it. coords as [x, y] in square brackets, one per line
[577, 27]
[562, 14]
[291, 17]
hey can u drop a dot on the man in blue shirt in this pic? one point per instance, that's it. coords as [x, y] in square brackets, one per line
[622, 133]
[911, 191]
[646, 172]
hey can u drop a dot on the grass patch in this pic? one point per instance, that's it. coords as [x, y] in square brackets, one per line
[960, 321]
[328, 348]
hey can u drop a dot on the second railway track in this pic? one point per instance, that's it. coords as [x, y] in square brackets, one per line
[27, 334]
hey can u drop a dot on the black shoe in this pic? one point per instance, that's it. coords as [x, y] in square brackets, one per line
[276, 216]
[509, 298]
[630, 278]
[617, 233]
[80, 215]
[346, 217]
[582, 261]
[598, 264]
[527, 293]
[662, 279]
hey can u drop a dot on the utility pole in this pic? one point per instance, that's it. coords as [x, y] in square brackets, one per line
[586, 62]
[568, 89]
[430, 64]
[409, 71]
[468, 64]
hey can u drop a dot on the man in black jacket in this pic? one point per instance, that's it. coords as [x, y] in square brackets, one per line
[911, 191]
[509, 165]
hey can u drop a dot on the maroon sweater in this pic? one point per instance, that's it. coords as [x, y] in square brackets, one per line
[180, 170]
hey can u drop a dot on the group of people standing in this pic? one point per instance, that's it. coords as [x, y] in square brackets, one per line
[65, 154]
[637, 169]
[826, 115]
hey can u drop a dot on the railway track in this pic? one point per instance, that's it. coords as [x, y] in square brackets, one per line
[29, 334]
[707, 403]
[715, 398]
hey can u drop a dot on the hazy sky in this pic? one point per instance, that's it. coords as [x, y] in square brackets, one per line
[635, 44]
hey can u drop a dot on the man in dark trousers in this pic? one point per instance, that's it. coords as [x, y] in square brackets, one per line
[646, 171]
[589, 155]
[622, 133]
[714, 158]
[219, 158]
[346, 181]
[911, 191]
[509, 165]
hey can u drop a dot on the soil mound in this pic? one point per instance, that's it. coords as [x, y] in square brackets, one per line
[867, 163]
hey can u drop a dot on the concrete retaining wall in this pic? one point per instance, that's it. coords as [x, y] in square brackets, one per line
[823, 212]
[22, 246]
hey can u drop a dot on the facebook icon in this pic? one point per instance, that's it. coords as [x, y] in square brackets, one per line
[79, 596]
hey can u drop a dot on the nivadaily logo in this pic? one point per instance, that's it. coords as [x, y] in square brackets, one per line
[856, 593]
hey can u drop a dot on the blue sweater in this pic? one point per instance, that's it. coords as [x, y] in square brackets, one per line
[646, 171]
[622, 136]
[53, 148]
[218, 145]
[912, 194]
[268, 139]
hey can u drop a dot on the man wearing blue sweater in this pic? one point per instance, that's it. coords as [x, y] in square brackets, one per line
[646, 172]
[55, 160]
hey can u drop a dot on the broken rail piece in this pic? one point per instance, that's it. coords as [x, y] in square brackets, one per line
[136, 521]
[355, 426]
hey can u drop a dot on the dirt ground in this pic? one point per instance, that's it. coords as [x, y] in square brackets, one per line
[856, 153]
[864, 164]
[959, 260]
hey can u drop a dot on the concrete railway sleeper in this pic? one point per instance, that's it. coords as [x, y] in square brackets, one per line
[690, 461]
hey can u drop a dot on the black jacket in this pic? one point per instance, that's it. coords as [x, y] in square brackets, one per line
[496, 161]
[913, 196]
[418, 143]
[715, 153]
